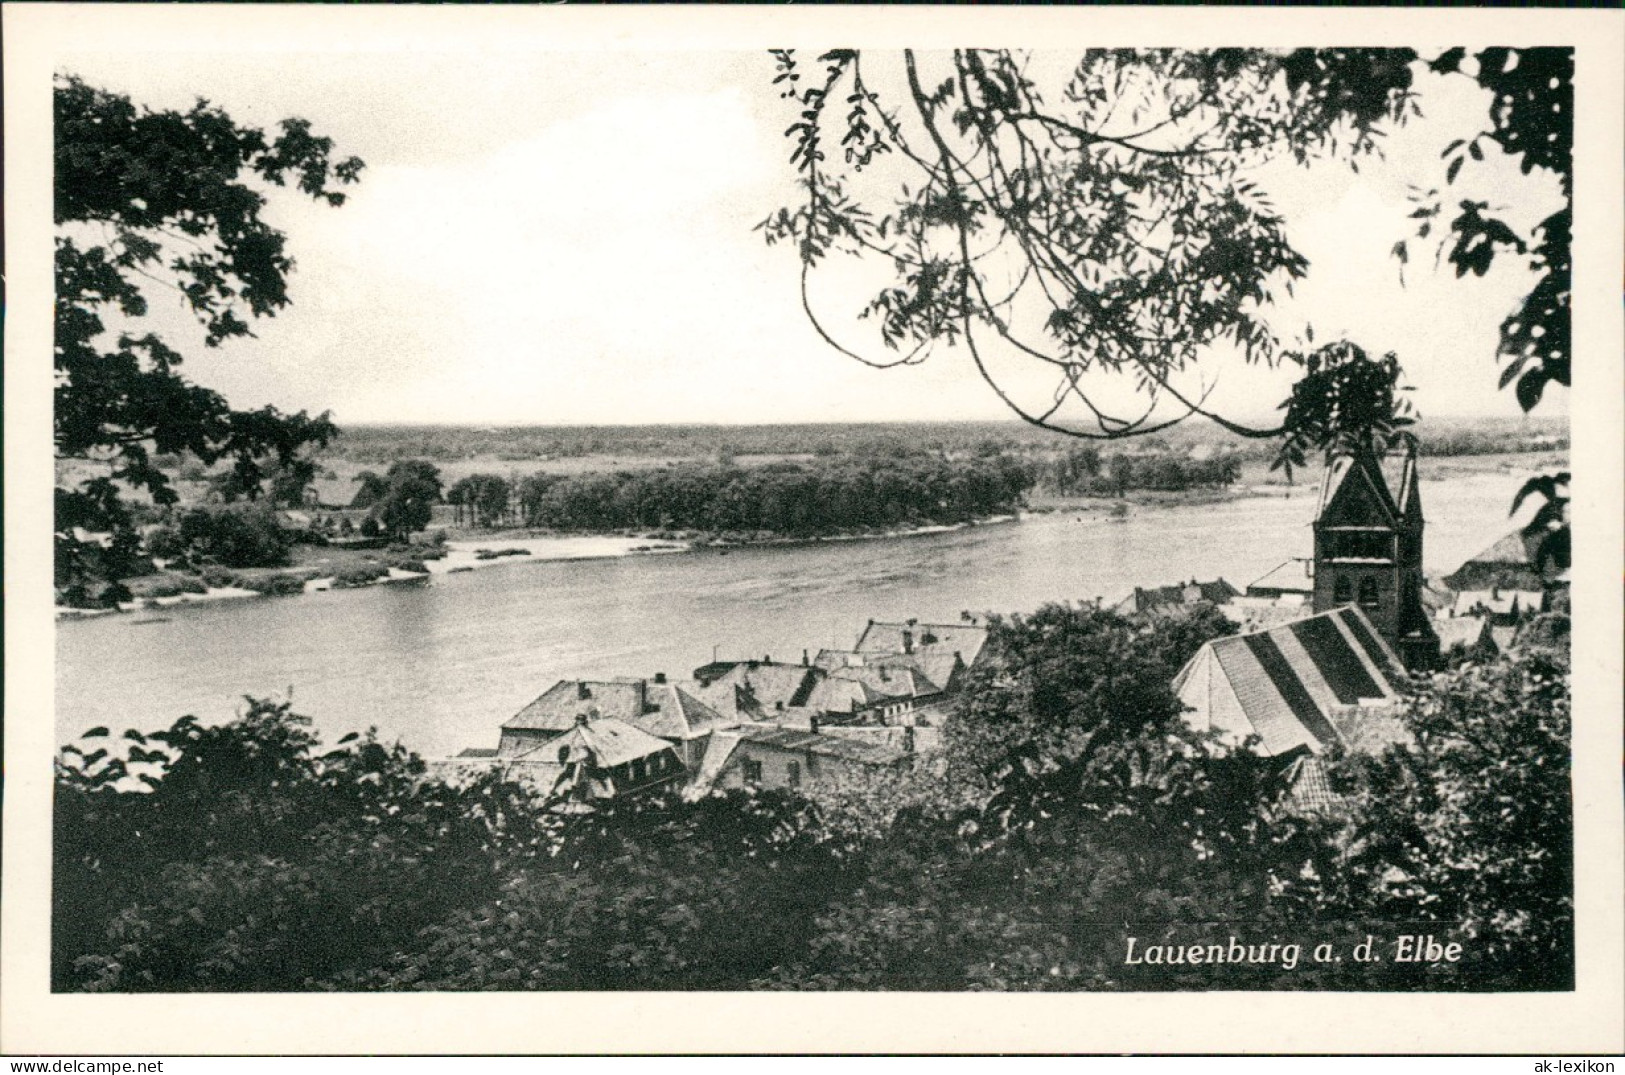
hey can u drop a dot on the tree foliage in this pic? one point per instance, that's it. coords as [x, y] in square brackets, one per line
[1472, 826]
[1107, 227]
[1078, 810]
[1111, 226]
[410, 491]
[174, 200]
[824, 496]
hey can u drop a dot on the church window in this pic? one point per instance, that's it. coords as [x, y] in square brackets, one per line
[1368, 593]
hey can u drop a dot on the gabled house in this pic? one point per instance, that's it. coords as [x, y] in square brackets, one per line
[1510, 563]
[966, 639]
[766, 756]
[1504, 608]
[755, 690]
[656, 707]
[1471, 636]
[1178, 596]
[593, 760]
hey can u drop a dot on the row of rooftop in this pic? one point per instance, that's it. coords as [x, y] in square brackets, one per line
[743, 722]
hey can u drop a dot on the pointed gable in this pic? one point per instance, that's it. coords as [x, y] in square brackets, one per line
[1354, 493]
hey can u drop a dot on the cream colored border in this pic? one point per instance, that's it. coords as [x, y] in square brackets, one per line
[31, 1020]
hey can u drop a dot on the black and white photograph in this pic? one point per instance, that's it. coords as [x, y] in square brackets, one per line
[736, 509]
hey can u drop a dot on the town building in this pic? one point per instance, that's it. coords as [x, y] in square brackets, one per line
[595, 759]
[1504, 608]
[1510, 563]
[1299, 688]
[1368, 550]
[1468, 636]
[1181, 595]
[787, 759]
[654, 706]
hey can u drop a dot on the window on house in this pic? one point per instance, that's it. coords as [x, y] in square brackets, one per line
[794, 772]
[637, 768]
[1368, 593]
[753, 771]
[1342, 591]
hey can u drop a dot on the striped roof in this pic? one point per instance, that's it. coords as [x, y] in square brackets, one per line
[1290, 685]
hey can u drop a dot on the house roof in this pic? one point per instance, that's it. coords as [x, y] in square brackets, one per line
[1465, 631]
[1284, 684]
[677, 715]
[1290, 577]
[1512, 548]
[964, 638]
[1145, 599]
[888, 681]
[841, 695]
[662, 709]
[1499, 602]
[718, 750]
[826, 746]
[608, 742]
[750, 689]
[557, 708]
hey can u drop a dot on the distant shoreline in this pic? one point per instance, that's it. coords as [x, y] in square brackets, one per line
[539, 546]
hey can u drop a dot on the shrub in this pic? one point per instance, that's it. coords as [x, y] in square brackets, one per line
[359, 575]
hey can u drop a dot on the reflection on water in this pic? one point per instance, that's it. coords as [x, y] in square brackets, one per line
[440, 665]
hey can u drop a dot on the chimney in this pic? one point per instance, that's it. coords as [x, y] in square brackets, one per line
[581, 720]
[804, 661]
[767, 658]
[908, 641]
[812, 725]
[660, 677]
[778, 706]
[582, 690]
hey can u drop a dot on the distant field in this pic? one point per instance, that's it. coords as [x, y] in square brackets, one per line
[561, 446]
[522, 451]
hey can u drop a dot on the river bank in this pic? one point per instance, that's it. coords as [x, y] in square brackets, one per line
[322, 568]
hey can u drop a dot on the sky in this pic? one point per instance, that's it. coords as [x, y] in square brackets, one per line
[561, 238]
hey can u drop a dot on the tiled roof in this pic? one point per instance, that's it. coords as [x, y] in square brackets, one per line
[1290, 577]
[1285, 683]
[1464, 631]
[887, 681]
[752, 690]
[967, 639]
[835, 695]
[935, 664]
[1499, 602]
[719, 748]
[662, 709]
[557, 708]
[1146, 599]
[829, 746]
[1513, 548]
[611, 742]
[678, 714]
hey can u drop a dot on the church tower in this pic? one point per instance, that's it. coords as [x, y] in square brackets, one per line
[1368, 550]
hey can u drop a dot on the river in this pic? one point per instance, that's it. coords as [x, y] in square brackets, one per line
[440, 664]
